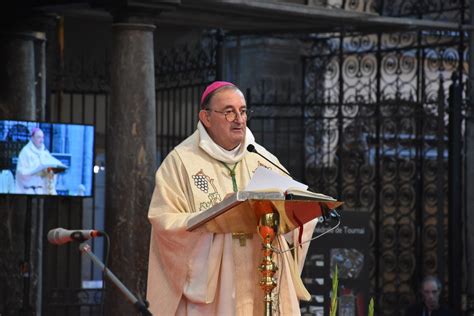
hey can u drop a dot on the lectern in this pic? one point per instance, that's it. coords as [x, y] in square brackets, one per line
[268, 213]
[50, 172]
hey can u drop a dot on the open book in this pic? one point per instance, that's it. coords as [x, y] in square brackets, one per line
[51, 163]
[297, 194]
[56, 168]
[238, 213]
[265, 180]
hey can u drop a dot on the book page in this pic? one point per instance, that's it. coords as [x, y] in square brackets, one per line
[267, 180]
[41, 167]
[309, 194]
[48, 161]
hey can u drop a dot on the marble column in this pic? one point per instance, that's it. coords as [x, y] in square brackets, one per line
[130, 160]
[21, 225]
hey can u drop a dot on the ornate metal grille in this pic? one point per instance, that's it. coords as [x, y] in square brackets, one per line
[182, 73]
[375, 116]
[376, 136]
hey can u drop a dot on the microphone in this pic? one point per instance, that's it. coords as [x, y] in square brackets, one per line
[59, 236]
[252, 149]
[332, 216]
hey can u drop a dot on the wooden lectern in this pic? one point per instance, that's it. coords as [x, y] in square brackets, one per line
[267, 213]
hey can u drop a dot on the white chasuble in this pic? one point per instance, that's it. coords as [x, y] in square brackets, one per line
[202, 273]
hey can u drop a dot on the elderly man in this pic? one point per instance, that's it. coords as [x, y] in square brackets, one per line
[34, 174]
[430, 306]
[202, 273]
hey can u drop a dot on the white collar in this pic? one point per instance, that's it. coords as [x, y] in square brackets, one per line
[34, 149]
[217, 152]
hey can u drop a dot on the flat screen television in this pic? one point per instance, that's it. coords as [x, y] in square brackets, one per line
[46, 159]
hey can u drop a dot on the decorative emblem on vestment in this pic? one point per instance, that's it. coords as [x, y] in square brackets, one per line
[200, 180]
[205, 184]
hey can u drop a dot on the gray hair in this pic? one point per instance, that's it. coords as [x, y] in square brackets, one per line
[430, 278]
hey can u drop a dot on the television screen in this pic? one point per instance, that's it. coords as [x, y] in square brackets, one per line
[38, 158]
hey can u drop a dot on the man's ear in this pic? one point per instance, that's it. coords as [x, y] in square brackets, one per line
[204, 118]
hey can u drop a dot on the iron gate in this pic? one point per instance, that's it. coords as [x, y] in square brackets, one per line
[182, 73]
[375, 116]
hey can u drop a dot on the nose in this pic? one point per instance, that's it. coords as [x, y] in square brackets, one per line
[238, 117]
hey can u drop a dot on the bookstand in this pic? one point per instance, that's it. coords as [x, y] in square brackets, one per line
[270, 213]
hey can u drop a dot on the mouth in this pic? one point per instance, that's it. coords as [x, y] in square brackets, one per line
[237, 129]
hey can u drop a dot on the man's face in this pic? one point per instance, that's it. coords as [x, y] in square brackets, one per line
[38, 139]
[430, 293]
[226, 134]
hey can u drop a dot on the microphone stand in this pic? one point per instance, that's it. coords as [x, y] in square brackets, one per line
[141, 306]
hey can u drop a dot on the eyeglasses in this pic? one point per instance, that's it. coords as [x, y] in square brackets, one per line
[231, 115]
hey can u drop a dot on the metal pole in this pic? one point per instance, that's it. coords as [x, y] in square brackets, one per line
[455, 193]
[142, 307]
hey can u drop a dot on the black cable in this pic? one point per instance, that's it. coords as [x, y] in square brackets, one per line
[282, 257]
[318, 236]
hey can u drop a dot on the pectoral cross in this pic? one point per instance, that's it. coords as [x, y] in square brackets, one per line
[241, 237]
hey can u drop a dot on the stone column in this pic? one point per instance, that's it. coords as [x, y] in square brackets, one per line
[17, 75]
[130, 160]
[40, 77]
[21, 225]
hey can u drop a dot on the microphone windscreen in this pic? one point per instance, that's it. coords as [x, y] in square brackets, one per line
[54, 235]
[51, 235]
[251, 148]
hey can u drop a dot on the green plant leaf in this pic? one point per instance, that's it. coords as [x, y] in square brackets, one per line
[371, 307]
[335, 284]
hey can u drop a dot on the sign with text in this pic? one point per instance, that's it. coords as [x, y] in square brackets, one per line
[347, 246]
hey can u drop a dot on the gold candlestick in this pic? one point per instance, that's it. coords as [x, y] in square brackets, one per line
[267, 230]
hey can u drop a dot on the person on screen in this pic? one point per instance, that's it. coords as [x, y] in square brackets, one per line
[202, 273]
[34, 170]
[430, 304]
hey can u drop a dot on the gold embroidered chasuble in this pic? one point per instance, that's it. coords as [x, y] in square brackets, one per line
[201, 273]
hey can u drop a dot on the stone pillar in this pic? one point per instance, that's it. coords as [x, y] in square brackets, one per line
[17, 75]
[40, 77]
[21, 225]
[130, 160]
